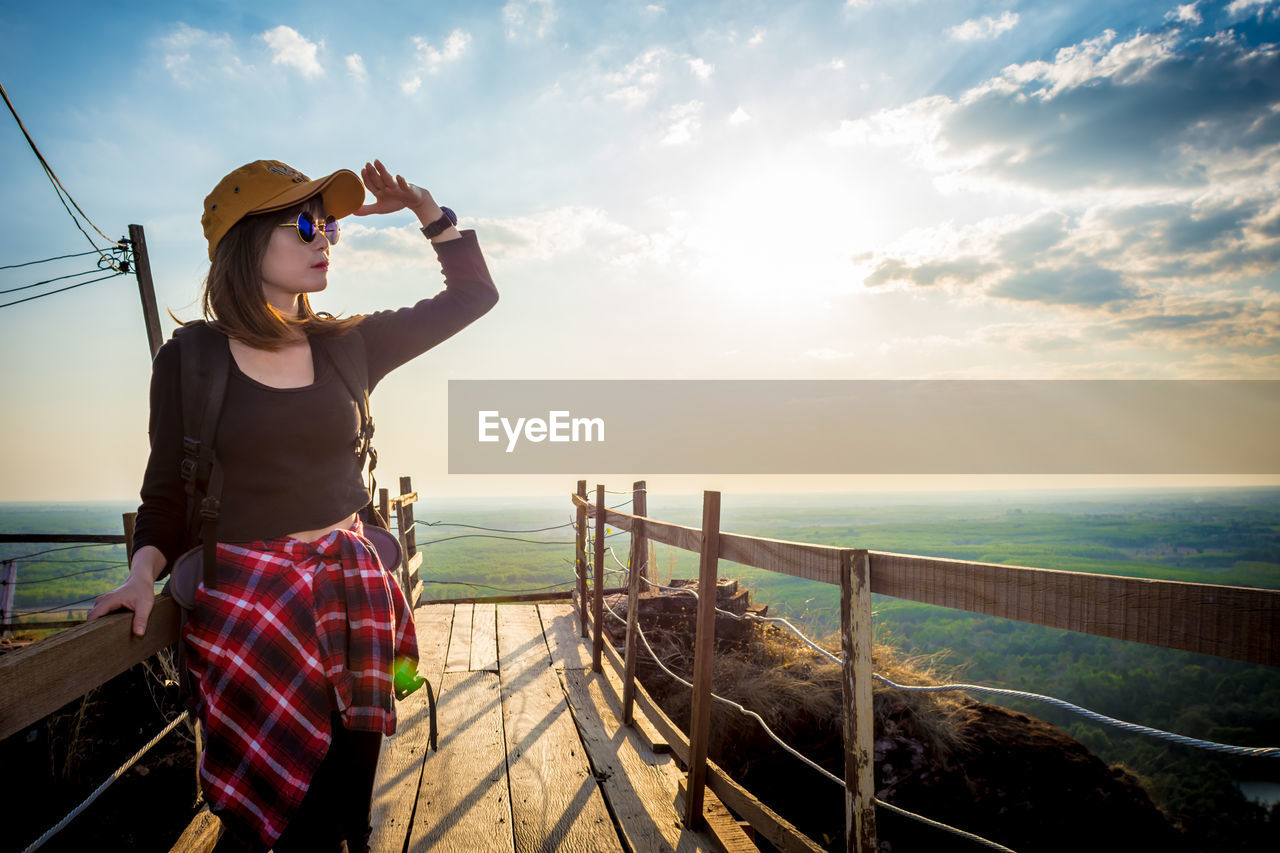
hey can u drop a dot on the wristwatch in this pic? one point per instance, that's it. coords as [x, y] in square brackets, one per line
[447, 218]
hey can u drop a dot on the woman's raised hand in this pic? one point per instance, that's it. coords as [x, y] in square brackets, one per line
[394, 193]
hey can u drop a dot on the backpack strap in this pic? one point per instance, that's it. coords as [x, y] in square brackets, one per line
[351, 360]
[205, 364]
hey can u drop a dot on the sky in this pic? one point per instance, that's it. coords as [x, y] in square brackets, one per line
[870, 189]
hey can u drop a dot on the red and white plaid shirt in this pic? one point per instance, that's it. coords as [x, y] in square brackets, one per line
[294, 630]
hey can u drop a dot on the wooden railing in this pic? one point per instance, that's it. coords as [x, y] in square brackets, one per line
[1232, 622]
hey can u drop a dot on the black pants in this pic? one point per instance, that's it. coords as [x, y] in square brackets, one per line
[337, 804]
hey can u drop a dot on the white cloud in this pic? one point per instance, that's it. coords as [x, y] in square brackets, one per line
[1187, 14]
[686, 121]
[700, 68]
[529, 19]
[190, 55]
[431, 58]
[836, 64]
[291, 48]
[655, 9]
[984, 28]
[572, 230]
[757, 36]
[1245, 8]
[740, 116]
[635, 84]
[355, 67]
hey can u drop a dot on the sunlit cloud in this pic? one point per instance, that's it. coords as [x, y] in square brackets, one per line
[686, 122]
[529, 19]
[291, 48]
[190, 55]
[355, 67]
[1185, 14]
[431, 58]
[984, 28]
[701, 68]
[739, 116]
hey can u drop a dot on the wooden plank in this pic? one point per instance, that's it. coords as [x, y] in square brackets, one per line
[395, 786]
[459, 657]
[703, 659]
[725, 831]
[484, 638]
[778, 830]
[635, 558]
[555, 801]
[567, 649]
[463, 801]
[616, 672]
[45, 538]
[798, 559]
[201, 835]
[855, 643]
[640, 786]
[39, 679]
[1228, 621]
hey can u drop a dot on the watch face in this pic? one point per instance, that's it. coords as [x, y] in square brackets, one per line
[453, 217]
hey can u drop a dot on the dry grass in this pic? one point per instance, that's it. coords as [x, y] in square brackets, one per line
[798, 692]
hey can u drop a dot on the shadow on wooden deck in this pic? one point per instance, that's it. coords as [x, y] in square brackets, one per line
[531, 754]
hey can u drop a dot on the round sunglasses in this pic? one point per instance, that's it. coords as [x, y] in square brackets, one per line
[308, 228]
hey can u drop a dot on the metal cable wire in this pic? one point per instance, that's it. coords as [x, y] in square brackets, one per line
[124, 768]
[72, 575]
[58, 188]
[491, 536]
[115, 274]
[491, 529]
[1185, 740]
[63, 606]
[47, 260]
[64, 548]
[503, 589]
[50, 281]
[977, 839]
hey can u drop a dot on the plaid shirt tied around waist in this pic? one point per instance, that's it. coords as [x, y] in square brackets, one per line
[293, 630]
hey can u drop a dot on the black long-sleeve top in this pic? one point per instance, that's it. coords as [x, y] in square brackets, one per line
[286, 453]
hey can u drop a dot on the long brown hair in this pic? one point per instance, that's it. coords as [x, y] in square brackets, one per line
[233, 300]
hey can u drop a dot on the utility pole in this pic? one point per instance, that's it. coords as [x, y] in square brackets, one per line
[146, 289]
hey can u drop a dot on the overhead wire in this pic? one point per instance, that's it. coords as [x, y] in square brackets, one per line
[47, 260]
[63, 195]
[62, 289]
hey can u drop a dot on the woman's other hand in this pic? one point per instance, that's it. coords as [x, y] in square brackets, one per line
[137, 593]
[394, 193]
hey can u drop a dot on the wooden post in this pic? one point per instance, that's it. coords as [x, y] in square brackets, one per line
[408, 534]
[855, 644]
[146, 288]
[703, 659]
[635, 565]
[640, 506]
[384, 505]
[8, 583]
[130, 521]
[581, 558]
[597, 600]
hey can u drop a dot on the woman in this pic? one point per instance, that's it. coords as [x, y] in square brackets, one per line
[292, 650]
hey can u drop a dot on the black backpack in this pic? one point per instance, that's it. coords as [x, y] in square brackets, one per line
[205, 365]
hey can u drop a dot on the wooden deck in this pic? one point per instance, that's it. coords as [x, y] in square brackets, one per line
[531, 754]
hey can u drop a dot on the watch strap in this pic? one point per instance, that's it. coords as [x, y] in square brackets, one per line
[435, 229]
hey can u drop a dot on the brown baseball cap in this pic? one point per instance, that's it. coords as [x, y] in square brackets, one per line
[266, 185]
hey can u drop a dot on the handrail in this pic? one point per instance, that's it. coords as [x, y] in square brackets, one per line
[1240, 623]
